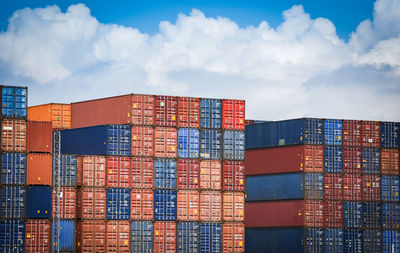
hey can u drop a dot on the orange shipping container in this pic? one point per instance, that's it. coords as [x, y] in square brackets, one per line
[91, 171]
[142, 141]
[233, 206]
[118, 171]
[390, 161]
[91, 203]
[188, 205]
[142, 172]
[64, 203]
[39, 169]
[232, 237]
[233, 114]
[142, 204]
[91, 236]
[164, 237]
[165, 139]
[39, 136]
[37, 236]
[188, 112]
[210, 174]
[58, 114]
[210, 206]
[13, 135]
[117, 236]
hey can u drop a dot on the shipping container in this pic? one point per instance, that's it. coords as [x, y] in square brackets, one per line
[371, 161]
[141, 236]
[210, 144]
[233, 176]
[142, 172]
[91, 171]
[371, 188]
[97, 140]
[333, 186]
[391, 241]
[118, 204]
[333, 240]
[164, 173]
[91, 203]
[188, 143]
[14, 101]
[165, 142]
[314, 213]
[142, 110]
[210, 237]
[91, 236]
[64, 203]
[13, 135]
[210, 113]
[142, 140]
[390, 188]
[352, 187]
[118, 171]
[333, 132]
[188, 237]
[372, 215]
[352, 159]
[389, 134]
[188, 205]
[372, 241]
[248, 122]
[233, 145]
[210, 206]
[233, 206]
[333, 214]
[164, 236]
[232, 237]
[352, 214]
[142, 204]
[352, 130]
[210, 174]
[165, 110]
[63, 236]
[12, 234]
[165, 205]
[390, 161]
[13, 168]
[333, 159]
[38, 202]
[117, 236]
[39, 136]
[39, 169]
[188, 174]
[58, 114]
[65, 175]
[371, 134]
[391, 215]
[233, 113]
[12, 200]
[353, 240]
[314, 240]
[37, 236]
[188, 112]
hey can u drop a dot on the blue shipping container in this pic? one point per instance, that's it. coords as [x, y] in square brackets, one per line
[371, 161]
[372, 241]
[210, 237]
[333, 240]
[389, 135]
[352, 214]
[142, 236]
[353, 240]
[391, 241]
[188, 237]
[210, 144]
[210, 113]
[164, 173]
[38, 202]
[333, 159]
[118, 204]
[333, 132]
[97, 140]
[14, 101]
[188, 143]
[12, 236]
[390, 188]
[372, 215]
[63, 236]
[313, 186]
[314, 241]
[66, 176]
[164, 205]
[12, 199]
[233, 145]
[391, 215]
[13, 168]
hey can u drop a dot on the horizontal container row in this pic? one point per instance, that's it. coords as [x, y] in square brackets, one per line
[322, 131]
[13, 101]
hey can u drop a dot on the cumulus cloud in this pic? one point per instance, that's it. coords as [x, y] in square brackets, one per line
[300, 68]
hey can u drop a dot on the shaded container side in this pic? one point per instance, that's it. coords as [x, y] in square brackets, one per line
[352, 159]
[372, 215]
[371, 134]
[117, 236]
[210, 144]
[142, 170]
[165, 205]
[353, 240]
[333, 214]
[390, 134]
[165, 142]
[333, 159]
[233, 145]
[233, 206]
[233, 176]
[39, 169]
[371, 161]
[39, 136]
[63, 236]
[58, 114]
[210, 237]
[333, 240]
[210, 174]
[37, 236]
[13, 168]
[188, 112]
[372, 241]
[91, 203]
[371, 188]
[12, 235]
[141, 239]
[164, 236]
[232, 237]
[211, 206]
[188, 174]
[91, 236]
[12, 201]
[188, 202]
[390, 241]
[14, 101]
[142, 141]
[188, 237]
[390, 188]
[118, 171]
[142, 204]
[210, 113]
[65, 175]
[118, 204]
[352, 187]
[333, 132]
[352, 130]
[390, 161]
[165, 173]
[38, 202]
[13, 135]
[91, 171]
[352, 214]
[333, 186]
[165, 110]
[233, 114]
[391, 215]
[64, 203]
[188, 143]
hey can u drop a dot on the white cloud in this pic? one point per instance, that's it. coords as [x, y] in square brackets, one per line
[300, 68]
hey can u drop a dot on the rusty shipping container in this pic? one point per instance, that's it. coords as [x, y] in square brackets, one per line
[233, 113]
[142, 140]
[165, 142]
[164, 237]
[211, 206]
[233, 206]
[210, 174]
[352, 187]
[333, 214]
[371, 188]
[371, 131]
[39, 136]
[232, 237]
[333, 186]
[352, 133]
[188, 174]
[58, 114]
[117, 236]
[91, 171]
[91, 203]
[39, 169]
[352, 159]
[165, 110]
[13, 135]
[37, 235]
[188, 205]
[233, 176]
[390, 161]
[142, 206]
[64, 203]
[188, 112]
[142, 170]
[91, 236]
[118, 171]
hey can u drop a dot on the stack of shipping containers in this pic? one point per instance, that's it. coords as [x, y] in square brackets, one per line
[317, 185]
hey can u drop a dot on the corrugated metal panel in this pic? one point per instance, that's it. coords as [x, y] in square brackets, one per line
[352, 187]
[12, 234]
[39, 169]
[233, 114]
[164, 173]
[210, 144]
[391, 215]
[390, 161]
[91, 236]
[142, 170]
[333, 240]
[39, 136]
[142, 204]
[313, 186]
[353, 240]
[91, 171]
[314, 240]
[210, 113]
[13, 135]
[352, 214]
[333, 214]
[210, 174]
[165, 142]
[210, 237]
[188, 205]
[117, 236]
[233, 206]
[188, 143]
[38, 202]
[91, 203]
[371, 134]
[371, 187]
[164, 236]
[389, 134]
[188, 112]
[233, 176]
[333, 132]
[333, 186]
[165, 110]
[233, 145]
[333, 157]
[14, 102]
[13, 168]
[165, 205]
[372, 241]
[64, 203]
[118, 204]
[371, 161]
[188, 237]
[118, 171]
[352, 133]
[63, 236]
[142, 140]
[210, 206]
[142, 110]
[37, 236]
[391, 241]
[352, 159]
[141, 236]
[372, 213]
[188, 173]
[314, 213]
[232, 237]
[390, 188]
[66, 175]
[12, 201]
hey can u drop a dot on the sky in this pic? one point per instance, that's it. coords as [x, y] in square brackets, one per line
[287, 59]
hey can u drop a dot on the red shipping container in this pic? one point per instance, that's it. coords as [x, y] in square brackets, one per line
[371, 131]
[91, 236]
[142, 204]
[371, 188]
[352, 158]
[233, 114]
[188, 174]
[390, 161]
[39, 169]
[307, 158]
[142, 172]
[91, 203]
[165, 111]
[118, 171]
[142, 110]
[333, 214]
[37, 235]
[351, 133]
[233, 176]
[210, 206]
[64, 203]
[165, 142]
[188, 205]
[13, 135]
[352, 187]
[232, 237]
[233, 206]
[210, 174]
[39, 136]
[164, 237]
[117, 236]
[314, 213]
[91, 171]
[248, 122]
[333, 186]
[142, 141]
[188, 112]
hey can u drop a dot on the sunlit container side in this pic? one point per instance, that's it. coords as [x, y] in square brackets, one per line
[390, 188]
[58, 114]
[97, 140]
[66, 175]
[233, 206]
[188, 112]
[390, 161]
[210, 237]
[142, 172]
[118, 204]
[333, 240]
[117, 236]
[210, 174]
[12, 199]
[39, 169]
[233, 176]
[188, 202]
[352, 187]
[333, 159]
[141, 239]
[39, 136]
[91, 171]
[142, 204]
[91, 203]
[371, 131]
[233, 114]
[165, 142]
[211, 206]
[353, 240]
[389, 135]
[188, 174]
[63, 236]
[14, 101]
[38, 202]
[372, 241]
[12, 235]
[164, 236]
[333, 214]
[288, 132]
[188, 143]
[164, 173]
[142, 110]
[391, 215]
[64, 203]
[371, 161]
[13, 168]
[210, 144]
[352, 130]
[37, 236]
[233, 145]
[333, 132]
[142, 140]
[118, 171]
[210, 113]
[390, 241]
[91, 236]
[333, 186]
[232, 237]
[352, 214]
[372, 215]
[371, 188]
[352, 159]
[188, 237]
[165, 110]
[165, 205]
[13, 135]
